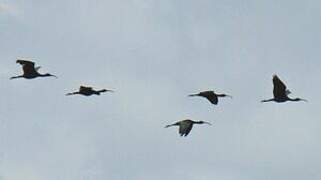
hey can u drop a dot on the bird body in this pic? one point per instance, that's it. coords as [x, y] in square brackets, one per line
[210, 96]
[185, 126]
[88, 91]
[29, 70]
[280, 92]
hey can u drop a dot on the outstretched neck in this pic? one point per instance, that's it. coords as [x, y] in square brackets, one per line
[46, 75]
[103, 90]
[221, 95]
[15, 77]
[175, 124]
[268, 100]
[72, 93]
[198, 122]
[296, 99]
[191, 95]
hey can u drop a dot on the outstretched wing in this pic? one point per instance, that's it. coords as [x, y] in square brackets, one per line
[25, 62]
[279, 89]
[28, 67]
[37, 68]
[185, 128]
[84, 88]
[211, 96]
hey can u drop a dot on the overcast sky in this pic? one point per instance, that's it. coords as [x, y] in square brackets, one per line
[153, 54]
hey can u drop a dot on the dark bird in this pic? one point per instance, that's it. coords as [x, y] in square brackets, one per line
[30, 71]
[185, 126]
[280, 92]
[211, 96]
[88, 91]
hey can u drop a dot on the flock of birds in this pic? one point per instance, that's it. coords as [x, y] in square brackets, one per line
[280, 93]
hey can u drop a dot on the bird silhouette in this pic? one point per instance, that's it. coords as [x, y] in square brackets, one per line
[30, 71]
[211, 96]
[88, 91]
[185, 126]
[280, 92]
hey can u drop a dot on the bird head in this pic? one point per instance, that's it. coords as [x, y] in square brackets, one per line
[300, 99]
[47, 74]
[204, 122]
[191, 95]
[226, 95]
[106, 90]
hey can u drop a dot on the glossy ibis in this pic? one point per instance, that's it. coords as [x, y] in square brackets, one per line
[30, 71]
[88, 91]
[280, 92]
[185, 126]
[211, 96]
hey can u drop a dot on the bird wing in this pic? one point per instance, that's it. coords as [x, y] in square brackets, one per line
[84, 88]
[25, 62]
[185, 128]
[287, 92]
[279, 88]
[37, 68]
[28, 67]
[211, 96]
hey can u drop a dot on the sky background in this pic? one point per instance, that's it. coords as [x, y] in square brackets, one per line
[153, 54]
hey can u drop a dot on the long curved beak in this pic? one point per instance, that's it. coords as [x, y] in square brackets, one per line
[191, 95]
[208, 123]
[54, 76]
[229, 96]
[168, 126]
[304, 100]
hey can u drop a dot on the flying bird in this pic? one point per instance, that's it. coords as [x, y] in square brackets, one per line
[280, 92]
[30, 71]
[88, 91]
[185, 126]
[211, 96]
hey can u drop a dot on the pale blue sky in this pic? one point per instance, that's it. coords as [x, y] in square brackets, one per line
[155, 53]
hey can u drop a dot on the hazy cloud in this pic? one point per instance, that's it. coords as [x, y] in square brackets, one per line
[7, 8]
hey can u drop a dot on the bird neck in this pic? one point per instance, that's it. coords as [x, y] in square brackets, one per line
[72, 93]
[15, 77]
[220, 95]
[103, 90]
[197, 122]
[268, 100]
[44, 75]
[191, 95]
[295, 99]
